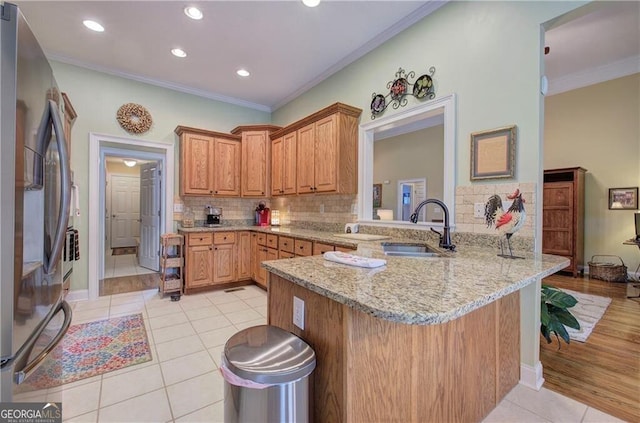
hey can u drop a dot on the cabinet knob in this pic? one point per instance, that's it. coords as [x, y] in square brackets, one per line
[216, 192]
[211, 192]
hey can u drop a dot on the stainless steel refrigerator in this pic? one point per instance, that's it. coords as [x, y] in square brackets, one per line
[35, 190]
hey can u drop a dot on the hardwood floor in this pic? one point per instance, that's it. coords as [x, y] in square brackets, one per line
[122, 284]
[604, 371]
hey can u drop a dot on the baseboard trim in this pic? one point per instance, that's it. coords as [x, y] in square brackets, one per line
[77, 295]
[531, 377]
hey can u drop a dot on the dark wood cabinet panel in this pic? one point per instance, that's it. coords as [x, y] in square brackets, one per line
[563, 215]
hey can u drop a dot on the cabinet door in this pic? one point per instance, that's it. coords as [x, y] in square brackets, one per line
[223, 263]
[326, 155]
[261, 273]
[196, 172]
[255, 262]
[255, 154]
[199, 266]
[289, 163]
[244, 256]
[277, 166]
[226, 167]
[305, 159]
[557, 218]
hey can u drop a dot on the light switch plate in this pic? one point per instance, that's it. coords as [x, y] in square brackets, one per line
[478, 210]
[298, 312]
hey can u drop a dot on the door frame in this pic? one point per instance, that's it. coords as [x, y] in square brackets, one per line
[101, 145]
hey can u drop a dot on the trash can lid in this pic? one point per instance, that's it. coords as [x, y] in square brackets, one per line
[268, 354]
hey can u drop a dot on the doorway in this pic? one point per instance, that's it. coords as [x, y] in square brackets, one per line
[154, 216]
[410, 193]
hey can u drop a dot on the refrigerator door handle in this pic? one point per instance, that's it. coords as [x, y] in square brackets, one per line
[65, 194]
[27, 369]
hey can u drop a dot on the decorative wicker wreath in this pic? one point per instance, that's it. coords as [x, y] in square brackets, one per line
[134, 118]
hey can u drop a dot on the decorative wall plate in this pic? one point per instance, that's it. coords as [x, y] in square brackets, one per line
[399, 88]
[134, 118]
[378, 104]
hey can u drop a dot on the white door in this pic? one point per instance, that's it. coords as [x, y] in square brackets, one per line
[412, 192]
[125, 210]
[149, 216]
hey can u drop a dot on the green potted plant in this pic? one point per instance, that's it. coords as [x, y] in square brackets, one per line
[554, 314]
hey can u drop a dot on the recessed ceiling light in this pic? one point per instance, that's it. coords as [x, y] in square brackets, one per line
[129, 163]
[311, 3]
[93, 25]
[178, 52]
[243, 72]
[193, 12]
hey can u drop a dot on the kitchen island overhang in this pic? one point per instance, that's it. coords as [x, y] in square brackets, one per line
[434, 339]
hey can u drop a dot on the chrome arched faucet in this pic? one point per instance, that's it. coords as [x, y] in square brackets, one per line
[445, 235]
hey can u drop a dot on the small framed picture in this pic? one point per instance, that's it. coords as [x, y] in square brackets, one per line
[623, 198]
[493, 153]
[377, 195]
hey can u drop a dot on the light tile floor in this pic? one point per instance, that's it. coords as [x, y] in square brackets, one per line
[124, 265]
[182, 383]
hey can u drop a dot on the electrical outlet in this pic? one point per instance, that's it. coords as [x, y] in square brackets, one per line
[478, 210]
[178, 207]
[321, 208]
[298, 312]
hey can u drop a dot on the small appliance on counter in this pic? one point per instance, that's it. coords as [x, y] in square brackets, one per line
[214, 214]
[263, 215]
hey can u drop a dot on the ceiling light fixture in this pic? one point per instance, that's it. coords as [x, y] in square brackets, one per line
[178, 52]
[311, 3]
[243, 72]
[129, 163]
[193, 13]
[93, 25]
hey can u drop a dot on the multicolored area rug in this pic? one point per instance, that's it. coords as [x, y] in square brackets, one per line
[91, 349]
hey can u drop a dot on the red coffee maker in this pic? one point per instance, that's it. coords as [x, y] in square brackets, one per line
[263, 215]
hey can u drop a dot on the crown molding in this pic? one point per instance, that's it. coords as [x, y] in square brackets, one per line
[420, 13]
[160, 83]
[584, 78]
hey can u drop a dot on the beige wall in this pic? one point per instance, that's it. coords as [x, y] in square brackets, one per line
[598, 128]
[414, 155]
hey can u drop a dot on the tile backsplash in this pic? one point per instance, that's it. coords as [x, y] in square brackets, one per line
[331, 212]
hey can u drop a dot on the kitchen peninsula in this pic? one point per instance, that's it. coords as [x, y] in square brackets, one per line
[420, 339]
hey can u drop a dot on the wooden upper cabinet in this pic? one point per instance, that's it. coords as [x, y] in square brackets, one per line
[256, 163]
[209, 162]
[283, 165]
[306, 159]
[327, 150]
[196, 164]
[326, 155]
[226, 167]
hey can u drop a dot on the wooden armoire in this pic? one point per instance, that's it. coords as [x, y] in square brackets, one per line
[563, 216]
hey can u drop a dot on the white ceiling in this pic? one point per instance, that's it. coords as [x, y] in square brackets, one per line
[287, 47]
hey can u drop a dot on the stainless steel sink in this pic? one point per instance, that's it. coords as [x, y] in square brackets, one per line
[409, 249]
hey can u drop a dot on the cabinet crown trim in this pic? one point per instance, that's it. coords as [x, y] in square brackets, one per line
[345, 109]
[182, 129]
[238, 130]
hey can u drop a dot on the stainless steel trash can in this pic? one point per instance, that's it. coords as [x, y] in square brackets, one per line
[267, 376]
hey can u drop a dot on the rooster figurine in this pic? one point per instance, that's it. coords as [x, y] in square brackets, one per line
[506, 223]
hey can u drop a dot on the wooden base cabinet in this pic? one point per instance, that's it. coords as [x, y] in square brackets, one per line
[199, 272]
[370, 369]
[243, 255]
[563, 216]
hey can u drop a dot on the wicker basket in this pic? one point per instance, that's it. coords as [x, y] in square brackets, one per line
[607, 271]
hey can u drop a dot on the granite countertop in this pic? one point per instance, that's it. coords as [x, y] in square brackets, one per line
[412, 290]
[415, 290]
[311, 235]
